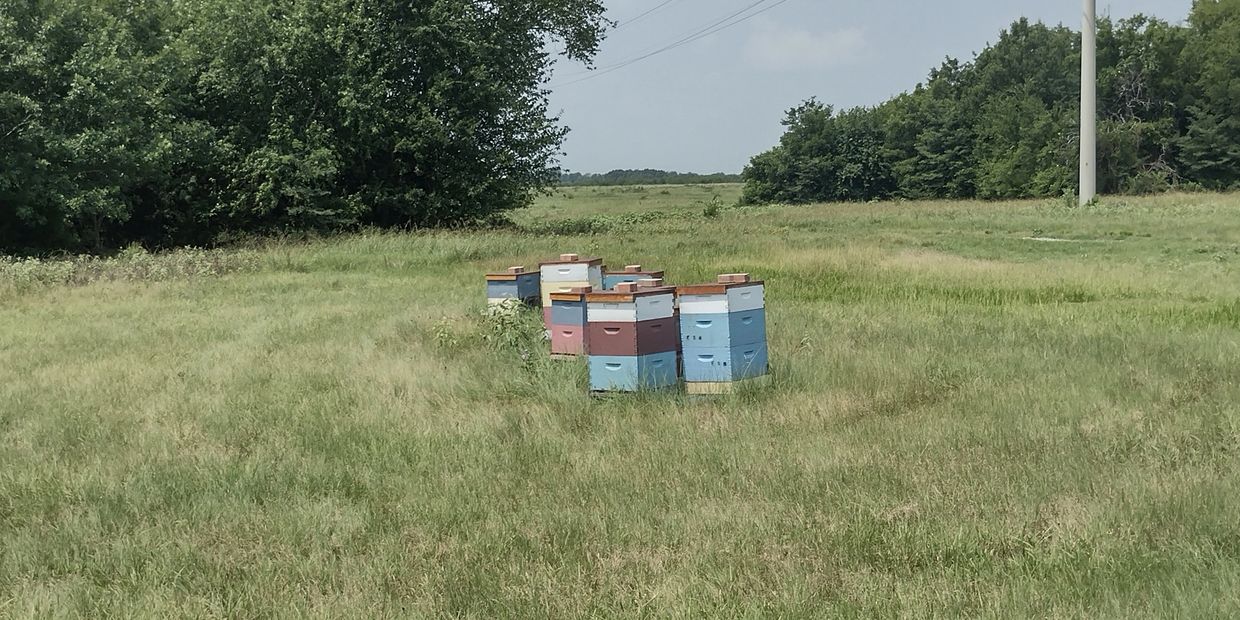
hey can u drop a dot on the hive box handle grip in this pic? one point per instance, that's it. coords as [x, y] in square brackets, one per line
[611, 331]
[749, 355]
[613, 366]
[746, 320]
[705, 358]
[657, 363]
[704, 324]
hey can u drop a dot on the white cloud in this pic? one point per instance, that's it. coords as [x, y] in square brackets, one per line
[778, 47]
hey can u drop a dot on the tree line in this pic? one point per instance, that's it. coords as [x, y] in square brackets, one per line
[1006, 124]
[188, 122]
[645, 177]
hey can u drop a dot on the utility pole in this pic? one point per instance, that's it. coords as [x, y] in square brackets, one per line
[1089, 101]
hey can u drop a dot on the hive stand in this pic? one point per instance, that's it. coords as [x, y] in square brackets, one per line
[723, 333]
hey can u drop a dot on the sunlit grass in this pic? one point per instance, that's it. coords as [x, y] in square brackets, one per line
[964, 421]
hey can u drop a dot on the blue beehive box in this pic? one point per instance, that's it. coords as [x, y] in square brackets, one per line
[516, 283]
[566, 312]
[723, 332]
[632, 373]
[726, 365]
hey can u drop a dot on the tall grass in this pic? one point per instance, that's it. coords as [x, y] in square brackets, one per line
[964, 421]
[133, 264]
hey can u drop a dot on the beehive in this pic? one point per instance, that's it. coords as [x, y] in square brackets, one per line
[568, 323]
[515, 283]
[723, 331]
[566, 273]
[633, 338]
[631, 273]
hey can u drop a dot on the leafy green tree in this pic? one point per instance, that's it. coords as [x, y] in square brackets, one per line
[823, 156]
[1005, 125]
[1212, 143]
[73, 123]
[1022, 149]
[384, 112]
[1141, 88]
[930, 135]
[187, 121]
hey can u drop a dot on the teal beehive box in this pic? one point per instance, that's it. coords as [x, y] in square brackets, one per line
[515, 283]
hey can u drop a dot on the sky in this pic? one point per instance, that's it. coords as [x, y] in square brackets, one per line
[710, 105]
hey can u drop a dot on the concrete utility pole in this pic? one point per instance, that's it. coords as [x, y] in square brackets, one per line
[1089, 102]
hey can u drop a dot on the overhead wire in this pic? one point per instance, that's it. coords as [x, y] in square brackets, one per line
[621, 24]
[686, 37]
[642, 15]
[733, 19]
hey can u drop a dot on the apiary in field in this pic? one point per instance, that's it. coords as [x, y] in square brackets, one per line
[635, 333]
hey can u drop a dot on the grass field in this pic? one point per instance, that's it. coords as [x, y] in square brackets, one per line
[982, 409]
[577, 202]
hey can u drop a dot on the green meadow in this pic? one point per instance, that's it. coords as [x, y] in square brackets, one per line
[1017, 409]
[568, 203]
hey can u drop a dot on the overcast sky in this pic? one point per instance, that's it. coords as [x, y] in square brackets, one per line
[711, 105]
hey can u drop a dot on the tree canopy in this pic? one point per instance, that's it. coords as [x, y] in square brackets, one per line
[1006, 124]
[173, 122]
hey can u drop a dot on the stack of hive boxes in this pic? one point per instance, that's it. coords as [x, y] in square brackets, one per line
[516, 283]
[568, 323]
[570, 271]
[631, 273]
[723, 333]
[633, 338]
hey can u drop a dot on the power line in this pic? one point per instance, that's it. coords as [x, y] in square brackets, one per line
[644, 14]
[719, 25]
[674, 43]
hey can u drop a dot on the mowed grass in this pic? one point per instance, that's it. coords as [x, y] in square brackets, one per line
[964, 421]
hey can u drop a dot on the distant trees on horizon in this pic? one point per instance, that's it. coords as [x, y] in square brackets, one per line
[646, 177]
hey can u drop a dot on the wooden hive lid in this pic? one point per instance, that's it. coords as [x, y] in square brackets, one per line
[572, 259]
[726, 282]
[513, 273]
[650, 273]
[577, 293]
[627, 292]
